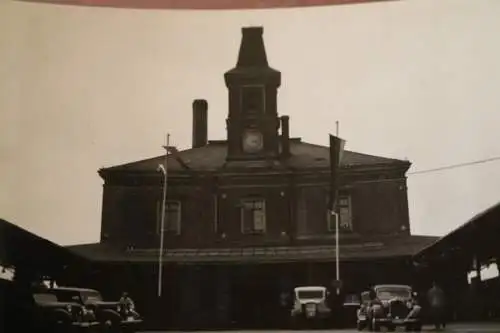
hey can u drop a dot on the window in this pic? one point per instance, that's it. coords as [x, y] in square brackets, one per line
[253, 99]
[172, 217]
[253, 216]
[345, 217]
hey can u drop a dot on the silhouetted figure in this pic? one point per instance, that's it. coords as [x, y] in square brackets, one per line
[335, 302]
[437, 306]
[127, 304]
[286, 303]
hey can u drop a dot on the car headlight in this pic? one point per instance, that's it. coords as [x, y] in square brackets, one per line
[69, 308]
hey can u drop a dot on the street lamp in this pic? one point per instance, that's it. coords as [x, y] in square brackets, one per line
[163, 169]
[337, 254]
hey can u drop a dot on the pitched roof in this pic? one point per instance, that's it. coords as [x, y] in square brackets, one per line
[212, 157]
[483, 226]
[20, 247]
[398, 246]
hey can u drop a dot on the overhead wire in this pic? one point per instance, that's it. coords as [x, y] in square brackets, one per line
[455, 166]
[426, 171]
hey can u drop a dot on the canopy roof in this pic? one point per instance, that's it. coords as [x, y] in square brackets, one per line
[387, 247]
[20, 248]
[478, 238]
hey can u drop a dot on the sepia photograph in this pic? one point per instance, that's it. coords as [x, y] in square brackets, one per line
[249, 166]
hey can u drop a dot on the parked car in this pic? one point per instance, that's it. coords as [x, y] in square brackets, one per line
[389, 306]
[35, 308]
[309, 306]
[111, 315]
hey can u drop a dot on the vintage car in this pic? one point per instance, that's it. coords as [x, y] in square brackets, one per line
[309, 306]
[64, 316]
[35, 308]
[389, 306]
[111, 315]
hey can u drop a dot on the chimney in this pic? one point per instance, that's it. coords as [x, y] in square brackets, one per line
[285, 136]
[200, 123]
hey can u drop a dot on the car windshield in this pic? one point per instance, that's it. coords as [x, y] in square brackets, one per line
[91, 296]
[309, 294]
[44, 298]
[392, 292]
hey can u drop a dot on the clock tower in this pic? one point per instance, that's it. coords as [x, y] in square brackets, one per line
[252, 123]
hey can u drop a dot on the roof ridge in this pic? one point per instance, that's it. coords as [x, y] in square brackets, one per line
[305, 155]
[354, 152]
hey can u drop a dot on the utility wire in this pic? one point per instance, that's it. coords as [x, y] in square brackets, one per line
[455, 166]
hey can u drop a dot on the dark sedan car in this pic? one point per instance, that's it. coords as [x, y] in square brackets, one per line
[391, 306]
[34, 308]
[111, 315]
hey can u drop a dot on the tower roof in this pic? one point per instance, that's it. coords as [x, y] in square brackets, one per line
[252, 59]
[252, 50]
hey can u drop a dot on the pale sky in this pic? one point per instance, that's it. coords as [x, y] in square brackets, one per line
[82, 88]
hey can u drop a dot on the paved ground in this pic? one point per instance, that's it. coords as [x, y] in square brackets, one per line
[453, 328]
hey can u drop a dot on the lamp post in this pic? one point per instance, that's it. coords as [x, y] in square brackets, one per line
[336, 150]
[337, 254]
[163, 168]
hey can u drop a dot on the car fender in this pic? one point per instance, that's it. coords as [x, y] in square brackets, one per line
[61, 315]
[109, 315]
[415, 311]
[377, 310]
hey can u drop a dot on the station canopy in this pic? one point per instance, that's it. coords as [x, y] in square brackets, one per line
[363, 249]
[20, 248]
[477, 239]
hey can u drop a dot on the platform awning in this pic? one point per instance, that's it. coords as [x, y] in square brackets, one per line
[21, 248]
[388, 248]
[477, 238]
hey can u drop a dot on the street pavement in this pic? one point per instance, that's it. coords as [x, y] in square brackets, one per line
[452, 328]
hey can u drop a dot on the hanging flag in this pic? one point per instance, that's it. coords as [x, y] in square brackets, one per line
[204, 4]
[336, 152]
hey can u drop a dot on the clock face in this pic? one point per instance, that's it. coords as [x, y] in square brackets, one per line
[252, 141]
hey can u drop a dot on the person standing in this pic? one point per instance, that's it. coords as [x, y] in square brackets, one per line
[126, 303]
[437, 304]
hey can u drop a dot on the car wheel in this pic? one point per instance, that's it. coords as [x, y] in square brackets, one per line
[61, 321]
[110, 322]
[360, 326]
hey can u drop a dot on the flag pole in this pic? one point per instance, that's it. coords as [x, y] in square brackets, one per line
[337, 254]
[163, 168]
[336, 150]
